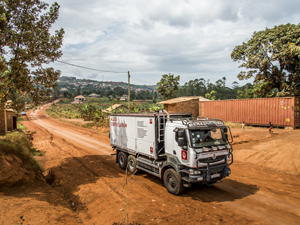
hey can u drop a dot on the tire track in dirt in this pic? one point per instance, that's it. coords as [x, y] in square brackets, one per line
[55, 141]
[227, 196]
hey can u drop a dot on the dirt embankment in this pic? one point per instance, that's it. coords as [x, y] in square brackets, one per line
[89, 187]
[279, 150]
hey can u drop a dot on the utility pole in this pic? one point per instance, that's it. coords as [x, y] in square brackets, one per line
[128, 92]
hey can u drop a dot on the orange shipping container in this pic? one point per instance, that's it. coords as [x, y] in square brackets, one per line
[282, 112]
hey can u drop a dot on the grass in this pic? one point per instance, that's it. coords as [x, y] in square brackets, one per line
[22, 127]
[19, 145]
[20, 119]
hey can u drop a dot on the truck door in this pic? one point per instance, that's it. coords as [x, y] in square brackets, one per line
[182, 152]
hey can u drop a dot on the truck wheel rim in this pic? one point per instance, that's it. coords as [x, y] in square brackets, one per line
[171, 182]
[131, 164]
[121, 160]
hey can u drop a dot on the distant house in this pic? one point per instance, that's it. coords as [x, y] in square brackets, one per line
[64, 89]
[78, 99]
[124, 98]
[94, 95]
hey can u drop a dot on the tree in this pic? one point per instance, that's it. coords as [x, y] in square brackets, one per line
[211, 95]
[26, 46]
[168, 86]
[272, 58]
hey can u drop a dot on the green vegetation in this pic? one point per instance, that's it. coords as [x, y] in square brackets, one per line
[271, 57]
[18, 144]
[25, 49]
[168, 86]
[63, 111]
[20, 126]
[94, 109]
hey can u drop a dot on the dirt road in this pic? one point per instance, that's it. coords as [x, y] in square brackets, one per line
[89, 187]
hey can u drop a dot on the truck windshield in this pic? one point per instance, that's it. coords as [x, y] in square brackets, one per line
[205, 138]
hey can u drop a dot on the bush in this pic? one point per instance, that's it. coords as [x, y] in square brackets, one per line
[19, 145]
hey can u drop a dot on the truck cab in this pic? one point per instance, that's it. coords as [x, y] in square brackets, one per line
[177, 148]
[202, 148]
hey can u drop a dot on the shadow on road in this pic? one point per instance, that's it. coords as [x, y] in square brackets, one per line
[228, 190]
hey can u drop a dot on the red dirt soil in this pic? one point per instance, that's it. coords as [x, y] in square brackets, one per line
[89, 186]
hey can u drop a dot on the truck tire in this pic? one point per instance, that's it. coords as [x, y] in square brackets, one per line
[132, 164]
[122, 160]
[173, 182]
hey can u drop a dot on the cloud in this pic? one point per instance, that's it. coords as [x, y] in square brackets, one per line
[192, 38]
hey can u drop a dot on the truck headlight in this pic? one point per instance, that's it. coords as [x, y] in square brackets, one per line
[194, 172]
[215, 148]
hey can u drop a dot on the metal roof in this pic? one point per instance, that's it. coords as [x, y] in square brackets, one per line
[115, 106]
[183, 99]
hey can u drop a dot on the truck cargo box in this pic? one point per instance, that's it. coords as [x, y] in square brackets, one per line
[139, 133]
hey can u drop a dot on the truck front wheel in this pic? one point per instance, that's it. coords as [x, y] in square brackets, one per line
[122, 160]
[172, 182]
[132, 164]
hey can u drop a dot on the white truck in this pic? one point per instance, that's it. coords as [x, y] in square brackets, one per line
[174, 147]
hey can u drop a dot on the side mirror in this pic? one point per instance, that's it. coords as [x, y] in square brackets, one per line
[181, 138]
[226, 136]
[181, 134]
[182, 141]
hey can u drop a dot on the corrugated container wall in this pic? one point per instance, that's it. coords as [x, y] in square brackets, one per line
[280, 111]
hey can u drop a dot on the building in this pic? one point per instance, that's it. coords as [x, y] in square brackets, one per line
[114, 107]
[93, 95]
[9, 119]
[3, 124]
[79, 98]
[184, 104]
[124, 98]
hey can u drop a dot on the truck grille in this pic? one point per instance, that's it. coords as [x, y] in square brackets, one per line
[211, 160]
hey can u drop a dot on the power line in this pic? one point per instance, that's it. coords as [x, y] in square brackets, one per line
[141, 80]
[107, 71]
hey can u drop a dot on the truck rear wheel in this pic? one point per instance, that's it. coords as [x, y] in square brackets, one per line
[122, 160]
[132, 164]
[172, 182]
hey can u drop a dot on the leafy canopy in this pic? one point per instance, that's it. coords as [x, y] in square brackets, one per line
[26, 46]
[168, 86]
[271, 57]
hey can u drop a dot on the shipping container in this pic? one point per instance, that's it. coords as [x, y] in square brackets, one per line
[282, 112]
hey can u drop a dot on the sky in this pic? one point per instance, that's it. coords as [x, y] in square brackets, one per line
[190, 38]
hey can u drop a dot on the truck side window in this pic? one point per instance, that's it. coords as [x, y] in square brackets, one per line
[176, 137]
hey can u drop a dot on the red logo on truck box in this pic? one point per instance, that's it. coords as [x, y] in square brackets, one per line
[150, 121]
[184, 154]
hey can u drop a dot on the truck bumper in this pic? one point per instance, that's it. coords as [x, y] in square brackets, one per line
[210, 175]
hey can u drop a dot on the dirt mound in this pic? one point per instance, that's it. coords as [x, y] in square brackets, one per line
[17, 164]
[13, 172]
[279, 150]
